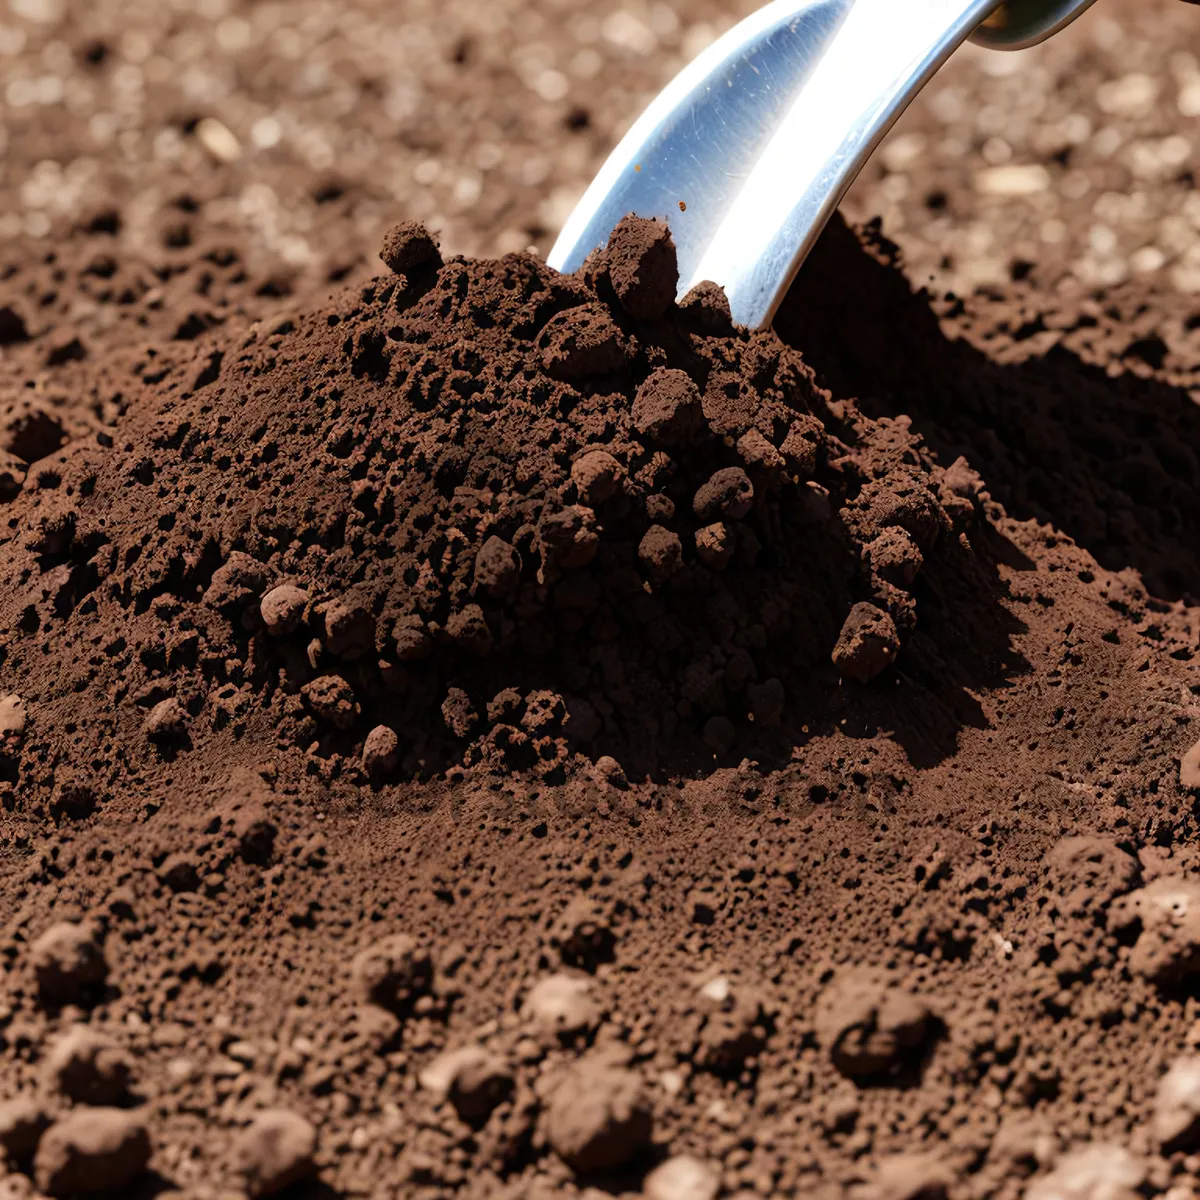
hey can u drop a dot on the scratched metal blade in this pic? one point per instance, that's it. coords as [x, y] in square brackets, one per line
[748, 151]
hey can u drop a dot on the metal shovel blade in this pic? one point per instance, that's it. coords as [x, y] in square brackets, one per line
[748, 151]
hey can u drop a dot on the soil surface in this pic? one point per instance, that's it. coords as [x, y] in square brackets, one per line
[468, 731]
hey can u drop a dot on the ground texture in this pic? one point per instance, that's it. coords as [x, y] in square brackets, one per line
[466, 731]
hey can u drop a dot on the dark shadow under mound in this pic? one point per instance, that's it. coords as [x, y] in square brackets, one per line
[1111, 461]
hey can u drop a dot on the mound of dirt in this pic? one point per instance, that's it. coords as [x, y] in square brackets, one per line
[510, 735]
[481, 513]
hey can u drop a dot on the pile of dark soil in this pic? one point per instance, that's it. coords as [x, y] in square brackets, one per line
[509, 735]
[480, 512]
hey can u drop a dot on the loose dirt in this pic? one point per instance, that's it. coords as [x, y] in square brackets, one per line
[477, 732]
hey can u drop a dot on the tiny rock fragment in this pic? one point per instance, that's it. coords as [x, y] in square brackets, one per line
[92, 1150]
[381, 752]
[867, 645]
[641, 263]
[562, 1006]
[667, 408]
[331, 699]
[727, 495]
[683, 1177]
[275, 1151]
[218, 139]
[596, 475]
[23, 1120]
[282, 609]
[598, 1117]
[68, 960]
[88, 1066]
[661, 553]
[408, 248]
[166, 721]
[392, 973]
[474, 1080]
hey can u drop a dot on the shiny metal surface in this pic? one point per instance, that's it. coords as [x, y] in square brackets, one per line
[1018, 24]
[748, 151]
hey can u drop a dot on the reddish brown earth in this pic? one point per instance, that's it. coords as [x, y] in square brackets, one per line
[486, 733]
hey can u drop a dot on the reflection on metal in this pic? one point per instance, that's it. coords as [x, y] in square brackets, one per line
[748, 151]
[1017, 24]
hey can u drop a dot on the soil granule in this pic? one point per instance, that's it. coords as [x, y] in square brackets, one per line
[499, 734]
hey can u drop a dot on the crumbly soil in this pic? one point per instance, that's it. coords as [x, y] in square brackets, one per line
[466, 731]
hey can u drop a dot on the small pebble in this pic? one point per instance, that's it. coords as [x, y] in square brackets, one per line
[562, 1006]
[641, 263]
[728, 494]
[596, 475]
[598, 1117]
[282, 609]
[68, 960]
[381, 752]
[166, 722]
[867, 645]
[392, 973]
[473, 1079]
[661, 554]
[275, 1151]
[92, 1150]
[23, 1120]
[408, 248]
[88, 1067]
[683, 1177]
